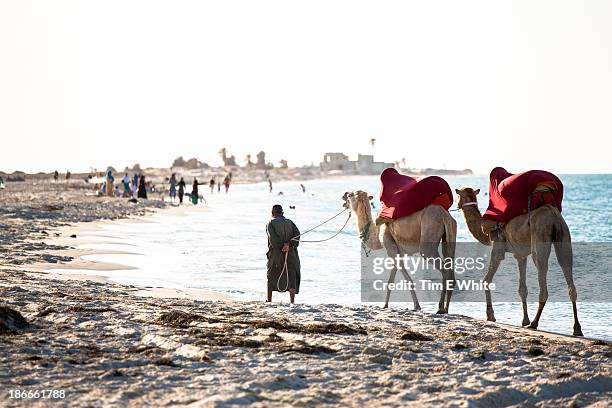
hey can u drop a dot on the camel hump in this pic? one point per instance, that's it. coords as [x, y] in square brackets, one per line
[382, 220]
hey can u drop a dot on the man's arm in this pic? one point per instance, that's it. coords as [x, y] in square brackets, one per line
[275, 241]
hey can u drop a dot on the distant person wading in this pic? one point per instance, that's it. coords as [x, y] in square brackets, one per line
[181, 190]
[282, 276]
[226, 183]
[195, 194]
[173, 187]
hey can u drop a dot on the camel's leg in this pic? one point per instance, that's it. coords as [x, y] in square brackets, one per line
[429, 251]
[451, 281]
[497, 255]
[393, 249]
[449, 239]
[415, 301]
[441, 304]
[522, 265]
[391, 280]
[540, 255]
[563, 250]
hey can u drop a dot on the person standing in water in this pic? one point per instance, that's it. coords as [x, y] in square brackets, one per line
[173, 187]
[181, 190]
[226, 183]
[270, 184]
[283, 258]
[212, 185]
[195, 196]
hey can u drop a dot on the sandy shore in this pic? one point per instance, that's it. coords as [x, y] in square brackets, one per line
[108, 344]
[104, 345]
[44, 225]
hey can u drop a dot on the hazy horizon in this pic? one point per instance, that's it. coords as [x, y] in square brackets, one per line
[442, 84]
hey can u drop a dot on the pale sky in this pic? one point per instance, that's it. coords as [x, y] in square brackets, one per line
[455, 84]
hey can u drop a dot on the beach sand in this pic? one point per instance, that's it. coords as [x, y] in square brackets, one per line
[109, 344]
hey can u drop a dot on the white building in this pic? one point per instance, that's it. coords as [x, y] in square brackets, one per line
[365, 164]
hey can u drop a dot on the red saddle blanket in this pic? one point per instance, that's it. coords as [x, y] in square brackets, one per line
[404, 195]
[509, 193]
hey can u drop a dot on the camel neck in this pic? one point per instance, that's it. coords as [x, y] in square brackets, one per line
[473, 219]
[368, 230]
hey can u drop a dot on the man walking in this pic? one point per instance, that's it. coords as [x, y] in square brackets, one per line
[283, 258]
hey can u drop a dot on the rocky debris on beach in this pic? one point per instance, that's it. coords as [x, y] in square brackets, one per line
[106, 346]
[11, 320]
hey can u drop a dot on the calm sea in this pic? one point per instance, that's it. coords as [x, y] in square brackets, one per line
[223, 247]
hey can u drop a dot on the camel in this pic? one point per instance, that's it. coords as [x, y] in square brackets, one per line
[420, 233]
[522, 236]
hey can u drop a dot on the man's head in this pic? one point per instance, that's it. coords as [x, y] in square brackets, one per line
[277, 210]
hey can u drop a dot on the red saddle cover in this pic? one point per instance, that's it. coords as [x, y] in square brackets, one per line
[509, 193]
[404, 195]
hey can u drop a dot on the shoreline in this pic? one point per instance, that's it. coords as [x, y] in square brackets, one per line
[89, 229]
[46, 270]
[65, 246]
[89, 233]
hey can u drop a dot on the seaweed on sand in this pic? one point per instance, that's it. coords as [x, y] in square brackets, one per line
[314, 328]
[415, 336]
[306, 348]
[178, 318]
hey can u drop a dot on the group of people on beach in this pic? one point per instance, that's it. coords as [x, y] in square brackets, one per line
[137, 187]
[129, 187]
[177, 188]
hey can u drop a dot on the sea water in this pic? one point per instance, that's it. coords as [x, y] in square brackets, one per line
[222, 246]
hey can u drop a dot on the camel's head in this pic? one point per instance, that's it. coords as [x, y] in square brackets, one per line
[467, 196]
[356, 200]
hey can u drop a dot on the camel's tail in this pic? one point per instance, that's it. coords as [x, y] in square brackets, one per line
[558, 230]
[450, 237]
[562, 242]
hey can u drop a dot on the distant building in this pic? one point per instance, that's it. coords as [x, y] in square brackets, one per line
[365, 164]
[337, 161]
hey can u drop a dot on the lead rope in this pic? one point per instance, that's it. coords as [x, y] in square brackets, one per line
[296, 238]
[286, 272]
[285, 269]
